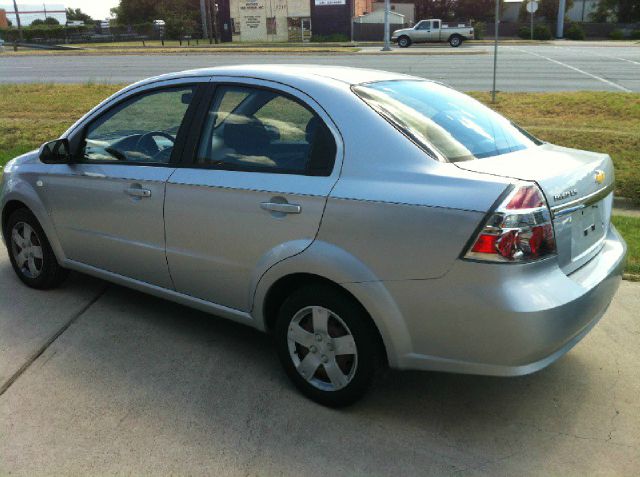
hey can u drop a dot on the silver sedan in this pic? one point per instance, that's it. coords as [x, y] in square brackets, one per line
[363, 218]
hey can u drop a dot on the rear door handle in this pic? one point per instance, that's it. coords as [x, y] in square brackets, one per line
[283, 208]
[138, 192]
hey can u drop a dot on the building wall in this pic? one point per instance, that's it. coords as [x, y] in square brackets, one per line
[578, 13]
[34, 11]
[406, 9]
[377, 17]
[268, 20]
[331, 17]
[3, 19]
[362, 7]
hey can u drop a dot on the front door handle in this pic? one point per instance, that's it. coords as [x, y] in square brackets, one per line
[283, 208]
[138, 192]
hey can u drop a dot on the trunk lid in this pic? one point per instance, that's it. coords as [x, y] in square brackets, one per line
[578, 186]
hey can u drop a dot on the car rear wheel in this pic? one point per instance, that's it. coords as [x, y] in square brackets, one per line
[30, 253]
[327, 345]
[455, 41]
[404, 42]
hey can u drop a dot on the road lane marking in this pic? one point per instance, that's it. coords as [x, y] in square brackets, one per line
[621, 59]
[602, 56]
[599, 78]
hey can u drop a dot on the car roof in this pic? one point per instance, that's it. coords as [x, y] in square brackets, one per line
[295, 75]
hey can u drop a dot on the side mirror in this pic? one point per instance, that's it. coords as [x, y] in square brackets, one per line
[55, 152]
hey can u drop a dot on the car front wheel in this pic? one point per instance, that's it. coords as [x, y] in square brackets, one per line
[30, 253]
[327, 345]
[404, 42]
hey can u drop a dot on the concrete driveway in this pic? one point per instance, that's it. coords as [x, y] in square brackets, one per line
[137, 385]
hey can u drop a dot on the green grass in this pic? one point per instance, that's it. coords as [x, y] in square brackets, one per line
[629, 227]
[609, 122]
[595, 121]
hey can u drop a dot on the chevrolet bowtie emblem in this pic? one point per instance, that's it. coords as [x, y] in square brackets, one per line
[600, 176]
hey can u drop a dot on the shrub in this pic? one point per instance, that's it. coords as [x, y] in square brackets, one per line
[524, 33]
[333, 38]
[574, 32]
[616, 35]
[479, 28]
[635, 34]
[541, 32]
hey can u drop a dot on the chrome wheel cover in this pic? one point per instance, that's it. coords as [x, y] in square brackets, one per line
[322, 348]
[27, 250]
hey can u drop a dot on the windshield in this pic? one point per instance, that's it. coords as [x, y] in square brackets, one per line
[436, 117]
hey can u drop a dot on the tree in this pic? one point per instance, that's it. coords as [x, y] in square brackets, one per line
[549, 9]
[477, 9]
[459, 9]
[182, 17]
[51, 21]
[617, 10]
[78, 15]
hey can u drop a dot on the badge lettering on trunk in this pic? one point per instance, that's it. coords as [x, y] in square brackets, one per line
[565, 194]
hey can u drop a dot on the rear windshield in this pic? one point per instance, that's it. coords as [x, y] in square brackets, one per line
[436, 117]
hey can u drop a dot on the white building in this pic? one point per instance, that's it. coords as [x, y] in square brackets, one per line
[34, 11]
[408, 9]
[270, 20]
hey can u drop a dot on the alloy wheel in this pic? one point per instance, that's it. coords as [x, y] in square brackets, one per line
[322, 348]
[27, 250]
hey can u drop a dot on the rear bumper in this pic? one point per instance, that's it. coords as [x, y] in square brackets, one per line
[503, 320]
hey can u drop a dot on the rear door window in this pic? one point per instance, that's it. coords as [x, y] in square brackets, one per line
[262, 130]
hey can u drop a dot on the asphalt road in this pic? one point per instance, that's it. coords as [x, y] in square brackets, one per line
[521, 68]
[135, 385]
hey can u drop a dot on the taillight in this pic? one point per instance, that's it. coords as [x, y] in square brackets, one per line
[518, 230]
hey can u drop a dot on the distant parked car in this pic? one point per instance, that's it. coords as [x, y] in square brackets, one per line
[434, 31]
[359, 216]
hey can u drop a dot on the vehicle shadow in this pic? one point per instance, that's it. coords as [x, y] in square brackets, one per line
[141, 369]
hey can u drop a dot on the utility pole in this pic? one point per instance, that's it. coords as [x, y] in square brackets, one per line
[560, 26]
[15, 9]
[387, 7]
[203, 15]
[214, 21]
[495, 51]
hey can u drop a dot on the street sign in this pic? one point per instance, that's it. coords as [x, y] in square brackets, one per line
[532, 7]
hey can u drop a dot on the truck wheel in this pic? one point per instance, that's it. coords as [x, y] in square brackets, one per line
[404, 42]
[455, 41]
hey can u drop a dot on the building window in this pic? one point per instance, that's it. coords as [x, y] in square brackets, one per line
[271, 26]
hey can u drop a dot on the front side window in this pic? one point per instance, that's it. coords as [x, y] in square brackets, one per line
[140, 130]
[264, 131]
[424, 25]
[434, 116]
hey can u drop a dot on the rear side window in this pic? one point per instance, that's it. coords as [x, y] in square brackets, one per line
[434, 116]
[262, 130]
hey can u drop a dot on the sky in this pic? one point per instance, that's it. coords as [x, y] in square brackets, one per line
[98, 9]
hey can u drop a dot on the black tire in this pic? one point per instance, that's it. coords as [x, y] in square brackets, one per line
[404, 42]
[363, 364]
[455, 41]
[51, 274]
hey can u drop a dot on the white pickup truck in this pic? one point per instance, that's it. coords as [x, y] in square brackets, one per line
[433, 31]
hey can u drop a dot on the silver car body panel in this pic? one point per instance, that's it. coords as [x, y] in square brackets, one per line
[389, 225]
